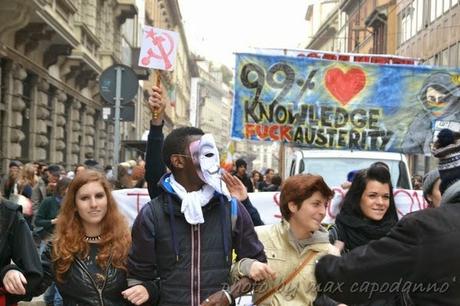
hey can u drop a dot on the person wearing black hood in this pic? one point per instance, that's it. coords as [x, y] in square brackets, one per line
[440, 98]
[418, 257]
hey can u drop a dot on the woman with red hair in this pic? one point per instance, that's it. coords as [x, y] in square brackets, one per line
[87, 257]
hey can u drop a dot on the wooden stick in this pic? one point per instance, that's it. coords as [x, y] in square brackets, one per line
[158, 84]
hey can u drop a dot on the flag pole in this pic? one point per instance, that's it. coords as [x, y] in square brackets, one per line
[158, 84]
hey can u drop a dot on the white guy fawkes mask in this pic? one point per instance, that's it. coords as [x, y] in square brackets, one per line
[206, 159]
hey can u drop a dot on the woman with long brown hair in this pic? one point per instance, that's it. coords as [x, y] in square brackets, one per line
[22, 190]
[27, 177]
[87, 257]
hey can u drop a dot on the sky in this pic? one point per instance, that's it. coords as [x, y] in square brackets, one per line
[216, 29]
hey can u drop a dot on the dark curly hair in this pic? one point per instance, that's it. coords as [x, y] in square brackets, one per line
[352, 200]
[177, 141]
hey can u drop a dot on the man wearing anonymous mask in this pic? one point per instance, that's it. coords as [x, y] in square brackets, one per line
[188, 231]
[206, 159]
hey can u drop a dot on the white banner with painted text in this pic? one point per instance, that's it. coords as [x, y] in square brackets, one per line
[130, 202]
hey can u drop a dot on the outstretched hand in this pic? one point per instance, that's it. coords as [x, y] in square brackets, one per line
[137, 295]
[157, 105]
[337, 248]
[260, 271]
[235, 186]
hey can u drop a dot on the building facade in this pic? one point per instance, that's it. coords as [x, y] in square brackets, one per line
[51, 54]
[361, 26]
[429, 30]
[323, 25]
[211, 103]
[371, 26]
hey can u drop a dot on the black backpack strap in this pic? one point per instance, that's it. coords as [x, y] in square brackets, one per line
[233, 212]
[333, 233]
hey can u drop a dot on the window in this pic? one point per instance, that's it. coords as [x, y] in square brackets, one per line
[27, 96]
[436, 59]
[406, 25]
[379, 45]
[458, 54]
[439, 5]
[413, 19]
[453, 55]
[419, 14]
[407, 20]
[430, 61]
[433, 11]
[405, 28]
[426, 12]
[444, 57]
[446, 5]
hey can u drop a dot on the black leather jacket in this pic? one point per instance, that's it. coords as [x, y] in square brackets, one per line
[80, 289]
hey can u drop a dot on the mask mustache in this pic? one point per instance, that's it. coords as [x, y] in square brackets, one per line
[217, 171]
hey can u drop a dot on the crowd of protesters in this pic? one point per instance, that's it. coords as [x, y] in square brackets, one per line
[199, 231]
[257, 182]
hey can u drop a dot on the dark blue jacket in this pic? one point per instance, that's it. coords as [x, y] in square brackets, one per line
[154, 165]
[182, 264]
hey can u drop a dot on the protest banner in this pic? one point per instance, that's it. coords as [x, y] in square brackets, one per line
[341, 56]
[325, 104]
[267, 203]
[131, 201]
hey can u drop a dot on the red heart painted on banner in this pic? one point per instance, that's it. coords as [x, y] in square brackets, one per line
[344, 86]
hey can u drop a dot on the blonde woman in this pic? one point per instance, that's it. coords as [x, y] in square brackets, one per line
[27, 180]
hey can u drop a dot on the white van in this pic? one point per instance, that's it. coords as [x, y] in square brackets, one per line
[334, 165]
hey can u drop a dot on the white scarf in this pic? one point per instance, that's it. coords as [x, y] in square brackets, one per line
[192, 201]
